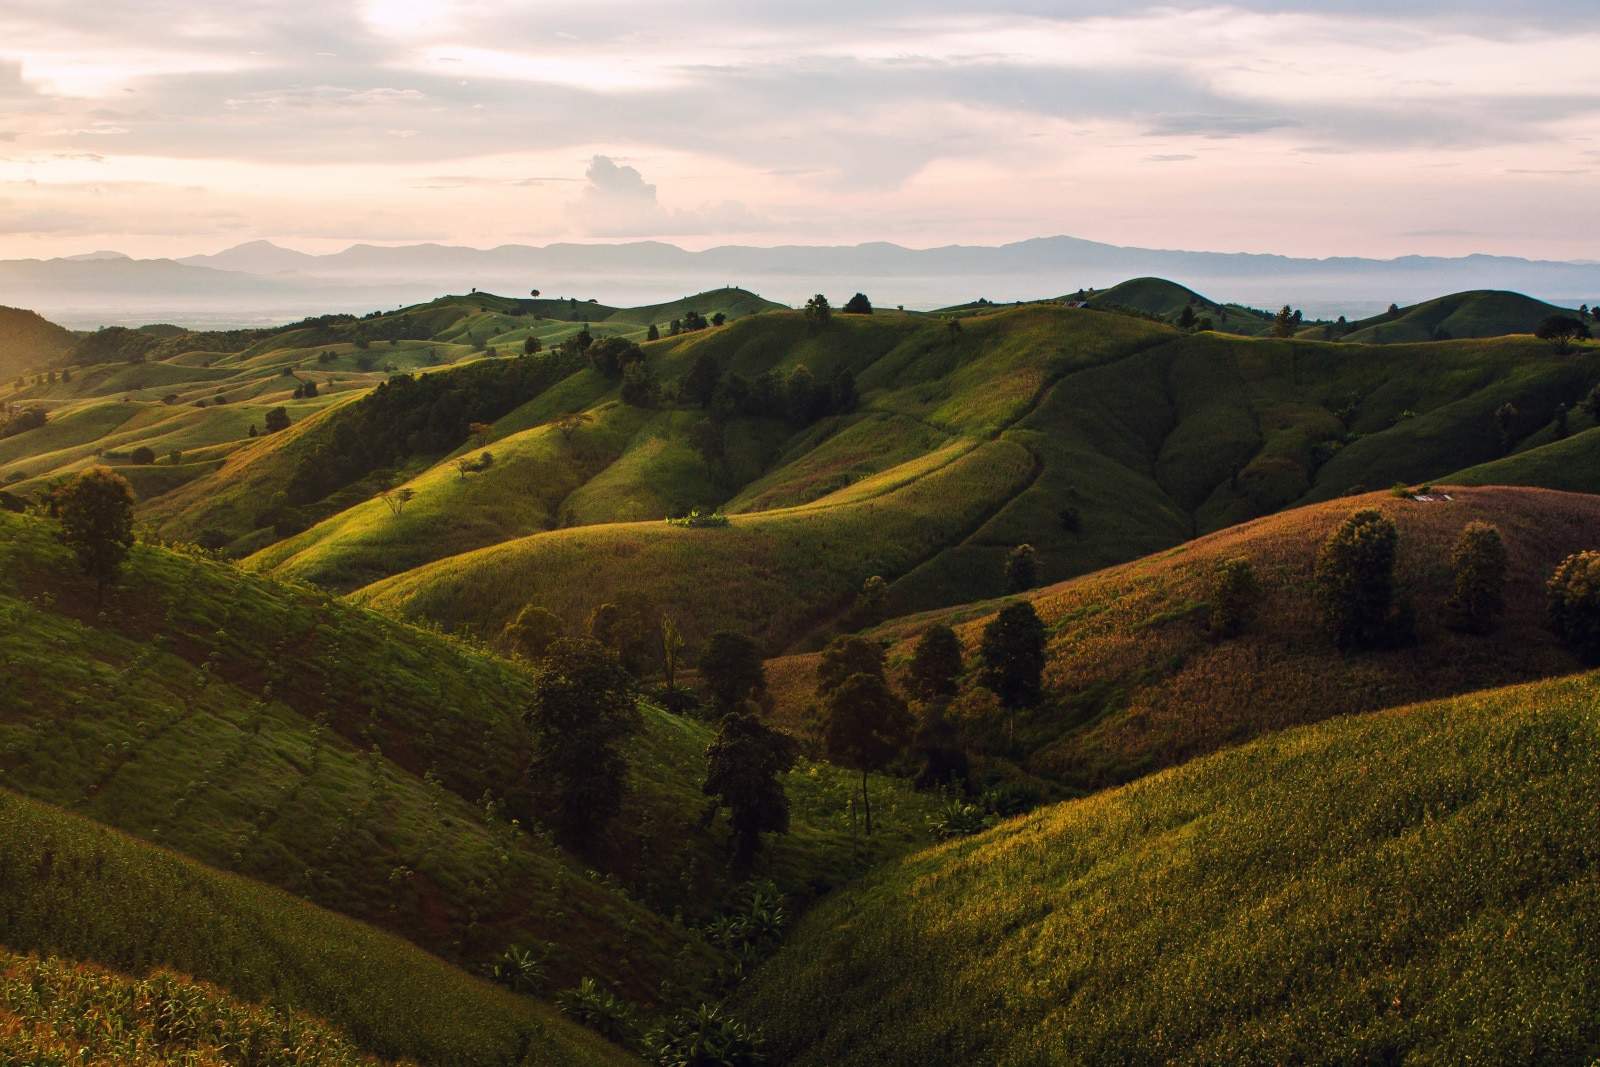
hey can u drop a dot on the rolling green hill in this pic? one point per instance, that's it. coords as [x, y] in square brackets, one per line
[1121, 437]
[1482, 313]
[30, 342]
[1409, 886]
[1166, 300]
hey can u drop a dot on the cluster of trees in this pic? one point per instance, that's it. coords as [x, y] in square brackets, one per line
[46, 378]
[1361, 608]
[410, 415]
[798, 397]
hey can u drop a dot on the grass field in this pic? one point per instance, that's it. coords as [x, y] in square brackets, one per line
[1412, 886]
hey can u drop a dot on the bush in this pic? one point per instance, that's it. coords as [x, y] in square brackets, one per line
[1234, 593]
[697, 518]
[1355, 583]
[1479, 563]
[1574, 592]
[704, 1037]
[959, 818]
[607, 1015]
[142, 456]
[858, 305]
[520, 970]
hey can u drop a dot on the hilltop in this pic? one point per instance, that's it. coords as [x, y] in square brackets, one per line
[1482, 313]
[1167, 300]
[1402, 886]
[1135, 682]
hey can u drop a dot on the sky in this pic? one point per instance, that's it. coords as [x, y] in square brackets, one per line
[1342, 127]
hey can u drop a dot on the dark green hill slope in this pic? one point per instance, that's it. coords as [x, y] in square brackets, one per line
[1410, 886]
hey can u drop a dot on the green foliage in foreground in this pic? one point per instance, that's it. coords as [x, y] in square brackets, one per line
[55, 1012]
[1411, 886]
[78, 890]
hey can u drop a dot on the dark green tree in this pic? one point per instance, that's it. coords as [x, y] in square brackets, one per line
[532, 632]
[277, 419]
[732, 669]
[653, 334]
[1505, 420]
[1562, 331]
[96, 513]
[1186, 318]
[818, 311]
[857, 305]
[639, 388]
[1479, 565]
[581, 712]
[630, 626]
[745, 763]
[1022, 569]
[700, 384]
[1354, 579]
[1574, 604]
[938, 745]
[847, 656]
[1283, 323]
[1011, 655]
[935, 670]
[1234, 593]
[866, 727]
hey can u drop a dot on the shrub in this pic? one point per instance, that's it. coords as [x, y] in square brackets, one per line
[704, 1037]
[1234, 593]
[1479, 563]
[857, 305]
[593, 1006]
[959, 818]
[277, 419]
[520, 970]
[699, 519]
[1355, 582]
[1574, 606]
[142, 456]
[532, 632]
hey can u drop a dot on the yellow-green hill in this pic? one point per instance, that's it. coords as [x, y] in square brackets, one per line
[1414, 886]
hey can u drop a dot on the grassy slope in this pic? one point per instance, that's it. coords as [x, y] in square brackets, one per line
[54, 1011]
[1135, 683]
[79, 890]
[281, 735]
[1481, 313]
[1410, 886]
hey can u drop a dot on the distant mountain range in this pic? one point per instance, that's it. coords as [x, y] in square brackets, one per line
[260, 281]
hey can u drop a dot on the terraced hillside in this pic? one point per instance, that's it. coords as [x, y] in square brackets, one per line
[1409, 886]
[1136, 682]
[374, 770]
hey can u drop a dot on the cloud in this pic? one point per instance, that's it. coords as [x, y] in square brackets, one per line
[616, 201]
[1175, 157]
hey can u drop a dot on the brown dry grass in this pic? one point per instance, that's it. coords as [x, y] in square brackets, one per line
[1135, 683]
